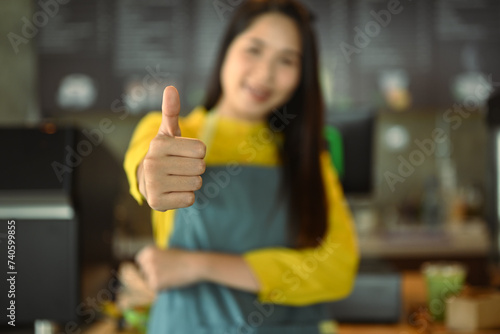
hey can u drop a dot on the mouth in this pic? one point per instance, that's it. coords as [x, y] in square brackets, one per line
[258, 94]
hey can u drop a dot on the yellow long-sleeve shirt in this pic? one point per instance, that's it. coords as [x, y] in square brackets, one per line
[286, 276]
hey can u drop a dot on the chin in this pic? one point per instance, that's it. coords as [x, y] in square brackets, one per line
[256, 110]
[254, 113]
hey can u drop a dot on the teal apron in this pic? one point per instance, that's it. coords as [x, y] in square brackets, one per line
[233, 213]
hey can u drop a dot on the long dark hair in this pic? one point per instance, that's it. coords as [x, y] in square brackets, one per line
[300, 152]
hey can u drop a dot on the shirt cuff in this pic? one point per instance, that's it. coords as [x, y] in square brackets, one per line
[259, 265]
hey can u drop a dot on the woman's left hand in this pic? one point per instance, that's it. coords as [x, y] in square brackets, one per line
[168, 268]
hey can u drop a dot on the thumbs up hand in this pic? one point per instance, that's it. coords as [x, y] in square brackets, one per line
[170, 172]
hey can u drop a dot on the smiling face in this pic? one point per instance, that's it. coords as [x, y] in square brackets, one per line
[261, 69]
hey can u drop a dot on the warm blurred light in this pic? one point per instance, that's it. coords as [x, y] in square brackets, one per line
[398, 99]
[394, 85]
[49, 128]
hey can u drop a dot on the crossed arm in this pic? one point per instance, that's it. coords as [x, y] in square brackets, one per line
[170, 268]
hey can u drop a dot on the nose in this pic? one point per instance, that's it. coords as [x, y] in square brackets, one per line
[264, 71]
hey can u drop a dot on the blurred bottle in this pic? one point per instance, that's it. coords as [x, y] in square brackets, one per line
[474, 201]
[432, 213]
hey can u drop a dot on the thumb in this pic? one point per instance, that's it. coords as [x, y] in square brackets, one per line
[170, 109]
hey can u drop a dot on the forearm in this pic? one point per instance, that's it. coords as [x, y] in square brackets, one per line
[228, 270]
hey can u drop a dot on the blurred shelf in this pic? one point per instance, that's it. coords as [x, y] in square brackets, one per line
[469, 239]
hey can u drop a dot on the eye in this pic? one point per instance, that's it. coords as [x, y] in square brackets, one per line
[287, 61]
[253, 50]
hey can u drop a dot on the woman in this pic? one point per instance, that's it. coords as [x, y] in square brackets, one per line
[267, 238]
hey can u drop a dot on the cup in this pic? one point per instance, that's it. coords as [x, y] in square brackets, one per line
[443, 280]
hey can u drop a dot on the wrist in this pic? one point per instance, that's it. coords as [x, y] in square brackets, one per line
[199, 263]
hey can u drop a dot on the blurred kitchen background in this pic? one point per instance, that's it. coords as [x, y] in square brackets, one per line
[406, 83]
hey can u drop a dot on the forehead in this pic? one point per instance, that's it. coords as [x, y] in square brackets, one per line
[275, 30]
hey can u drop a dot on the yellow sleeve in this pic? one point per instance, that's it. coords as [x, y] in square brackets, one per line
[313, 275]
[144, 132]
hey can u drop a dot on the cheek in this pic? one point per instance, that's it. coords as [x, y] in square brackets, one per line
[233, 69]
[225, 76]
[226, 70]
